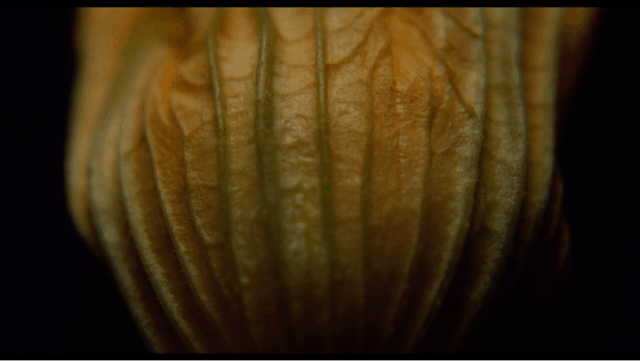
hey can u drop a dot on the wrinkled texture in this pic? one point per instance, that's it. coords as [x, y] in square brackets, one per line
[324, 180]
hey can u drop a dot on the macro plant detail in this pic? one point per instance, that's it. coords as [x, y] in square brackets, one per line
[317, 180]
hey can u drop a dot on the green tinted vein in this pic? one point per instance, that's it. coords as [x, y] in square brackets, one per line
[222, 147]
[328, 216]
[266, 141]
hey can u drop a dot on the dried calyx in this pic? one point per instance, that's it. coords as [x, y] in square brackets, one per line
[328, 180]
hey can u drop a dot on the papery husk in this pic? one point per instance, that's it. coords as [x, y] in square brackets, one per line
[320, 180]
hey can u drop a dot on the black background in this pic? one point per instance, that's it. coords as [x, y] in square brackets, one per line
[54, 297]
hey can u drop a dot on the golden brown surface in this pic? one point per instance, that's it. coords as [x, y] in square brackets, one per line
[322, 180]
